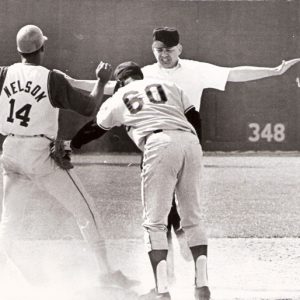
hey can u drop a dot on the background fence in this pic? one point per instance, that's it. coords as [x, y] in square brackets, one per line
[258, 115]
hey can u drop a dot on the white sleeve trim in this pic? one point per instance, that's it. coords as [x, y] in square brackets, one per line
[189, 108]
[103, 127]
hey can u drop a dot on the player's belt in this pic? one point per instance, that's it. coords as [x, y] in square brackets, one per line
[29, 136]
[157, 131]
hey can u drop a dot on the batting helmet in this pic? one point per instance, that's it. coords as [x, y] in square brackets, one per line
[127, 69]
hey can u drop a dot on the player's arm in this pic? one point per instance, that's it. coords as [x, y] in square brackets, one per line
[190, 112]
[63, 95]
[248, 73]
[88, 85]
[193, 117]
[89, 132]
[95, 128]
[3, 72]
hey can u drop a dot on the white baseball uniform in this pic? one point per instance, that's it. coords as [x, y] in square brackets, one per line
[30, 99]
[154, 113]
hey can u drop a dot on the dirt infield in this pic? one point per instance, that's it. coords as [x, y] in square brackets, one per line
[238, 269]
[251, 207]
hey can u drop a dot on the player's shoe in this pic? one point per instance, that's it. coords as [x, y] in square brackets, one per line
[202, 293]
[153, 295]
[185, 250]
[117, 279]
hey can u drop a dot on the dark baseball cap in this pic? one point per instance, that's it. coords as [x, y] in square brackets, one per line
[165, 37]
[127, 69]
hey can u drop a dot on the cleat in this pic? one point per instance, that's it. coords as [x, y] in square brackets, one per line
[202, 293]
[185, 250]
[117, 279]
[153, 295]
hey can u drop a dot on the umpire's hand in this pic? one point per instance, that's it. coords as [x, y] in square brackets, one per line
[104, 71]
[285, 65]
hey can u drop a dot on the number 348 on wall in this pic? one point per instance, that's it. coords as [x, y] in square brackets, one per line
[268, 132]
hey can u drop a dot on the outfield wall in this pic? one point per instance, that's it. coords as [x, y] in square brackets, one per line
[259, 115]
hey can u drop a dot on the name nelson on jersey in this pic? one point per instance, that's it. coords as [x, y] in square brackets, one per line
[28, 87]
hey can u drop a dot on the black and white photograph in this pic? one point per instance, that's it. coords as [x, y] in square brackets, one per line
[150, 149]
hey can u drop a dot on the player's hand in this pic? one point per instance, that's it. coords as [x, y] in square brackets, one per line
[60, 152]
[285, 65]
[104, 72]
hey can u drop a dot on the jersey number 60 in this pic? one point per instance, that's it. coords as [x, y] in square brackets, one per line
[154, 92]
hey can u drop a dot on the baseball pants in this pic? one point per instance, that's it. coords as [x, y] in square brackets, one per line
[27, 166]
[172, 162]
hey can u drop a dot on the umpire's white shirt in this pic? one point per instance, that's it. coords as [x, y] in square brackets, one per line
[191, 76]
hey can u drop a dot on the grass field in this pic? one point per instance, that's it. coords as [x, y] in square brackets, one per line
[251, 205]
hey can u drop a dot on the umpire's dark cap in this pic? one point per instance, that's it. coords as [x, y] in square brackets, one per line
[127, 69]
[165, 37]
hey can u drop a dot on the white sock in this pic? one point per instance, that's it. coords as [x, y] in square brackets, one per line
[201, 271]
[162, 277]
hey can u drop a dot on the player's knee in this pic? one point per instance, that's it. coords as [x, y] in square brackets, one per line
[196, 235]
[156, 238]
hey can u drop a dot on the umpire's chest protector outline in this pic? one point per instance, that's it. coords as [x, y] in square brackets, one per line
[25, 107]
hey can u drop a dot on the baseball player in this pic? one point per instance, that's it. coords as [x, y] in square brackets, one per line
[161, 121]
[30, 99]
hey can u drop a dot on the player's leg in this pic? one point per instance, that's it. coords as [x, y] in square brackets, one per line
[170, 257]
[174, 228]
[174, 218]
[161, 162]
[190, 209]
[16, 190]
[69, 191]
[157, 244]
[173, 222]
[16, 159]
[73, 196]
[173, 225]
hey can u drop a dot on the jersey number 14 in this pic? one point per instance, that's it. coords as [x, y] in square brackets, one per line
[21, 114]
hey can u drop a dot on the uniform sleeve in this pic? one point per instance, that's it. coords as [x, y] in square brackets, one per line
[63, 95]
[214, 76]
[88, 85]
[3, 72]
[187, 104]
[107, 116]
